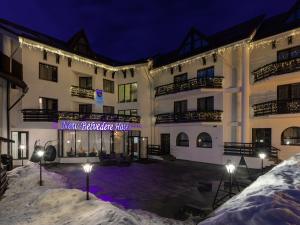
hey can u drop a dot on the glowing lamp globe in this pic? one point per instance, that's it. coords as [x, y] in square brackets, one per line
[230, 167]
[40, 153]
[262, 155]
[87, 167]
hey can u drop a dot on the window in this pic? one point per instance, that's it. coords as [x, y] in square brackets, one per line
[108, 109]
[127, 92]
[288, 91]
[48, 103]
[206, 73]
[182, 140]
[20, 139]
[204, 140]
[291, 136]
[180, 78]
[85, 82]
[180, 106]
[262, 136]
[85, 108]
[287, 54]
[47, 72]
[205, 104]
[108, 86]
[130, 112]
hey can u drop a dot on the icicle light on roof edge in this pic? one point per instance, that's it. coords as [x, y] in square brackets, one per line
[263, 43]
[35, 45]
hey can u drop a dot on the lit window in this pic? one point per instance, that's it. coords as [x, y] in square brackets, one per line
[204, 140]
[291, 136]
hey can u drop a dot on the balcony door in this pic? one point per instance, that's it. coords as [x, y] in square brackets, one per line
[85, 82]
[180, 107]
[262, 136]
[180, 78]
[285, 94]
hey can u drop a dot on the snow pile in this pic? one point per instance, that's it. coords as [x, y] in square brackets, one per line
[25, 202]
[273, 198]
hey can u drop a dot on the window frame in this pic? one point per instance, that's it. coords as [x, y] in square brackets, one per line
[179, 142]
[201, 146]
[51, 66]
[206, 104]
[88, 108]
[47, 99]
[86, 79]
[108, 106]
[282, 138]
[130, 92]
[183, 106]
[206, 75]
[110, 84]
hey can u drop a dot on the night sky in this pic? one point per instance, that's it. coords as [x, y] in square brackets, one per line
[130, 29]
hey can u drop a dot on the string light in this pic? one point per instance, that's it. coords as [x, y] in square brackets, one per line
[35, 45]
[220, 51]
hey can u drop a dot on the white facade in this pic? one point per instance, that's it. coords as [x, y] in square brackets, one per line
[235, 62]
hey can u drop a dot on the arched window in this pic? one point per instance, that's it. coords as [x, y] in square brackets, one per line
[291, 136]
[182, 140]
[204, 140]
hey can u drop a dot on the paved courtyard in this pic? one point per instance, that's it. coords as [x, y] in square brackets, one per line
[159, 187]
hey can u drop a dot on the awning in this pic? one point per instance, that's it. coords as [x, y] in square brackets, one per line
[2, 139]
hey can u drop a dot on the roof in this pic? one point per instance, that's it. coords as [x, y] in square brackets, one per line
[233, 34]
[68, 46]
[280, 23]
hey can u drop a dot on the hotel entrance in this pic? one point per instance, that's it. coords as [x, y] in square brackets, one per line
[95, 143]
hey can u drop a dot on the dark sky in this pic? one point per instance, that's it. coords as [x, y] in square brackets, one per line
[131, 29]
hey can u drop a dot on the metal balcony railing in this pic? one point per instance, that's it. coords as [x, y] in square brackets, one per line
[249, 149]
[190, 116]
[277, 107]
[41, 115]
[82, 92]
[276, 68]
[190, 84]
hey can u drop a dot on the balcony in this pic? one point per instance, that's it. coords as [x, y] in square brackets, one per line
[276, 68]
[191, 84]
[249, 149]
[41, 115]
[188, 117]
[277, 107]
[82, 92]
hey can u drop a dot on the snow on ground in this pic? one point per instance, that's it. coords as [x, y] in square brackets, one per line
[273, 199]
[25, 202]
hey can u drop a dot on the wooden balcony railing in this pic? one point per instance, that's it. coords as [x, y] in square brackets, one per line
[277, 107]
[276, 68]
[82, 92]
[249, 149]
[41, 115]
[3, 181]
[190, 116]
[191, 84]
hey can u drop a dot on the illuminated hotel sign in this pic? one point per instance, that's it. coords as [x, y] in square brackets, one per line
[95, 126]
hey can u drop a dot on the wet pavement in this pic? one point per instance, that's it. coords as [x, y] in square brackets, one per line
[161, 187]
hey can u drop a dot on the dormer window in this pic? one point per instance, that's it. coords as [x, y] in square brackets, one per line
[194, 40]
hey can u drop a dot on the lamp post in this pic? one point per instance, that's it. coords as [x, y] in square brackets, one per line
[40, 154]
[22, 148]
[230, 169]
[87, 169]
[262, 156]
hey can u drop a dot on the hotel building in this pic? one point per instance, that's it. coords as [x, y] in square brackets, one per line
[215, 97]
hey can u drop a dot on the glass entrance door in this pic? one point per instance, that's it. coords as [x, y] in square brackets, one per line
[19, 149]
